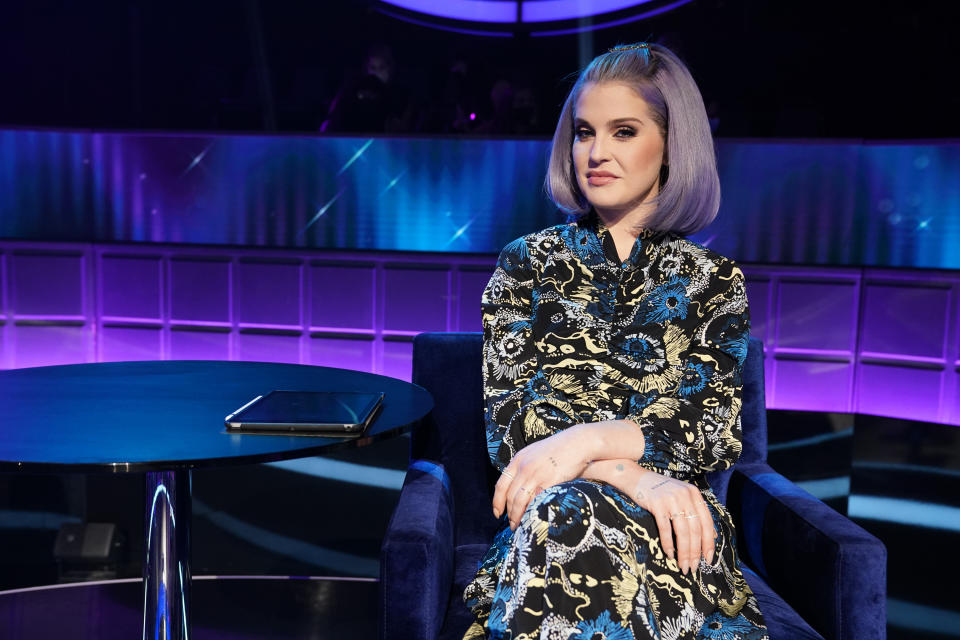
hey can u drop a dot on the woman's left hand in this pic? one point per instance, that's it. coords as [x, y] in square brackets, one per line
[536, 467]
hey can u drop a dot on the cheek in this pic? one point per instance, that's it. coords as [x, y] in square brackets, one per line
[581, 157]
[648, 159]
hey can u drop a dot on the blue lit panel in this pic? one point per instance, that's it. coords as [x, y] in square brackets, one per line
[830, 203]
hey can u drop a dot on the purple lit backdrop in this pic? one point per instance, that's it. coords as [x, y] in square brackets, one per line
[838, 338]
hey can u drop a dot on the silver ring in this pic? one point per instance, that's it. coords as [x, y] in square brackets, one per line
[692, 515]
[507, 473]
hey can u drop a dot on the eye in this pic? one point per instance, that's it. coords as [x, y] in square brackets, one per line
[625, 132]
[582, 132]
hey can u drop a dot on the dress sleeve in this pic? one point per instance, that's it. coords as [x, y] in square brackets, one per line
[519, 406]
[694, 427]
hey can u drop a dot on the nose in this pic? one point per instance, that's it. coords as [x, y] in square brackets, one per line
[598, 151]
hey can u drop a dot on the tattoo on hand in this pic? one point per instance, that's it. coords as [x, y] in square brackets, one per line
[660, 484]
[620, 467]
[552, 461]
[639, 496]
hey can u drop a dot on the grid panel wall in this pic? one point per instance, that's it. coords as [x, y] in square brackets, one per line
[836, 339]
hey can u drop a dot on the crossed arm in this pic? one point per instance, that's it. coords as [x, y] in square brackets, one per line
[608, 451]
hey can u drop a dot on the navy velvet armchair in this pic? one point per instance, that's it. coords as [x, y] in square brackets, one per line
[816, 574]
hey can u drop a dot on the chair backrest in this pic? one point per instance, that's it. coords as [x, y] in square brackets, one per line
[449, 366]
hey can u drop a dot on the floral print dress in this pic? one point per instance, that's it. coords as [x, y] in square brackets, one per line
[571, 335]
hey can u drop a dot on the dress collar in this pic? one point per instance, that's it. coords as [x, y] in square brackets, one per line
[595, 244]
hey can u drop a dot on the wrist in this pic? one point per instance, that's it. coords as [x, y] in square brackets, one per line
[587, 440]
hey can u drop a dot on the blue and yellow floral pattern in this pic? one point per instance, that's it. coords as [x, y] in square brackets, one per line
[573, 334]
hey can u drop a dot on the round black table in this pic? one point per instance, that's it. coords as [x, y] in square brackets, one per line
[165, 418]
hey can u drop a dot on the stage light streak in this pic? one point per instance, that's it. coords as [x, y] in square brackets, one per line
[321, 211]
[197, 159]
[393, 183]
[355, 156]
[459, 232]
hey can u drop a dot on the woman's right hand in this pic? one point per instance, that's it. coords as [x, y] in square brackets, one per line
[678, 507]
[681, 512]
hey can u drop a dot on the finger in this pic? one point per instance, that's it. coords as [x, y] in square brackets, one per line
[681, 530]
[694, 532]
[501, 491]
[666, 531]
[708, 539]
[518, 503]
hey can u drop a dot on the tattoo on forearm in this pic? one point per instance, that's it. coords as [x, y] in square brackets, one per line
[660, 484]
[639, 496]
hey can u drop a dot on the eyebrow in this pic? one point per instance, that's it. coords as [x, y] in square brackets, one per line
[615, 121]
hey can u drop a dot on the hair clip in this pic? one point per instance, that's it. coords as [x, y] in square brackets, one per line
[629, 47]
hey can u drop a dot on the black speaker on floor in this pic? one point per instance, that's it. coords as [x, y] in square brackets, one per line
[88, 551]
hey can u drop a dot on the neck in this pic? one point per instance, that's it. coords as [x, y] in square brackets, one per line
[625, 221]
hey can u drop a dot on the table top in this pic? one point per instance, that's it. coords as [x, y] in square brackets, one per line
[164, 415]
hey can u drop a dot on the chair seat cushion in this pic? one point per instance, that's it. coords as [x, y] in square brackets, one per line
[782, 621]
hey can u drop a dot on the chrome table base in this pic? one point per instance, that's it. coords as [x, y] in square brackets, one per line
[166, 563]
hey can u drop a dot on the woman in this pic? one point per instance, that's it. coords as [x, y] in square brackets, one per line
[612, 356]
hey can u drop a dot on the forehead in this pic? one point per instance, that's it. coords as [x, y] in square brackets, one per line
[609, 101]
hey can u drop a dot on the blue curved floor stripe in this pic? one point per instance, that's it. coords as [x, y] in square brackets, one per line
[290, 547]
[804, 442]
[16, 519]
[826, 488]
[908, 512]
[344, 472]
[919, 617]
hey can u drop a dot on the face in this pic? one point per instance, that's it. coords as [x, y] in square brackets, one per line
[379, 67]
[618, 150]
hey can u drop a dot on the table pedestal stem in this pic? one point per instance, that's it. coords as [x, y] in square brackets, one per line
[166, 563]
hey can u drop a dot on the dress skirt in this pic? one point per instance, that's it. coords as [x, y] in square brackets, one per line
[586, 563]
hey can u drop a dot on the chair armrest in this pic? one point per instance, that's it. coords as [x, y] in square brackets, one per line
[829, 569]
[416, 558]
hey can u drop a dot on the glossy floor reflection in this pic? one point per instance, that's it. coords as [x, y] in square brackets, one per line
[899, 480]
[223, 609]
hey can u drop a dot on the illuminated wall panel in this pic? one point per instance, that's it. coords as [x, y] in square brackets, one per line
[199, 290]
[130, 287]
[817, 316]
[907, 318]
[900, 391]
[130, 343]
[268, 294]
[836, 338]
[472, 284]
[193, 344]
[758, 297]
[48, 284]
[415, 298]
[262, 347]
[341, 296]
[350, 352]
[40, 346]
[396, 358]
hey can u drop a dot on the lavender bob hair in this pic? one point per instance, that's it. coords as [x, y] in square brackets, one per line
[689, 187]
